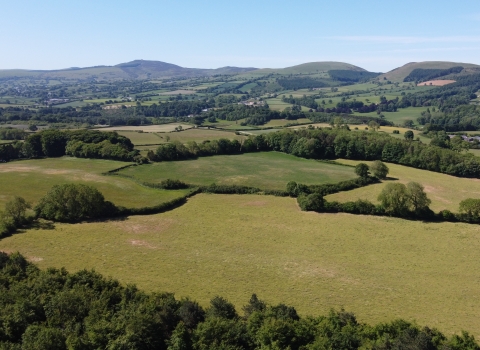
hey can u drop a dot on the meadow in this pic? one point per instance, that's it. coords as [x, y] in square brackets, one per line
[378, 267]
[148, 128]
[32, 179]
[445, 191]
[266, 170]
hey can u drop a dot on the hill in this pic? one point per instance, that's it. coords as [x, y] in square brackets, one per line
[400, 73]
[138, 69]
[312, 67]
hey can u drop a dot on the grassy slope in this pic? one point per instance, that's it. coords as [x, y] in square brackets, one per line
[398, 74]
[311, 67]
[380, 268]
[445, 191]
[31, 179]
[269, 170]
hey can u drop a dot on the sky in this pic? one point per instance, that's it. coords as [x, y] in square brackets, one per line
[375, 35]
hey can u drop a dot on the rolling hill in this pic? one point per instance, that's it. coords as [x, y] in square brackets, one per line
[311, 67]
[398, 74]
[138, 69]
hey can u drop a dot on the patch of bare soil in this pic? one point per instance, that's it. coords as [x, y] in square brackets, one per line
[140, 243]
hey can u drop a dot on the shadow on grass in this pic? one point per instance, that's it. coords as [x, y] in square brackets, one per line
[388, 178]
[42, 225]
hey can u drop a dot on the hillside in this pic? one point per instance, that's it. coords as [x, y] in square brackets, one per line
[138, 69]
[400, 73]
[312, 67]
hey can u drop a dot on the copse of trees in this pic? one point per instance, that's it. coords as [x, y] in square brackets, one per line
[405, 201]
[80, 143]
[12, 134]
[54, 309]
[73, 203]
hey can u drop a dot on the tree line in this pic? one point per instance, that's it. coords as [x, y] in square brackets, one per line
[351, 76]
[420, 74]
[331, 144]
[54, 309]
[79, 143]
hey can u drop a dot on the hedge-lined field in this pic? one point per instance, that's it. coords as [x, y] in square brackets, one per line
[266, 170]
[31, 179]
[231, 245]
[445, 191]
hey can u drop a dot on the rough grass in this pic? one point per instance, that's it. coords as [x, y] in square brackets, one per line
[380, 268]
[148, 128]
[283, 122]
[445, 191]
[32, 179]
[197, 135]
[267, 170]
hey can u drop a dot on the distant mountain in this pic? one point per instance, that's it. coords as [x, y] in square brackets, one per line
[138, 69]
[400, 73]
[312, 67]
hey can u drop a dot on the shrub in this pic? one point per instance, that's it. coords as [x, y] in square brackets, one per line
[379, 169]
[361, 169]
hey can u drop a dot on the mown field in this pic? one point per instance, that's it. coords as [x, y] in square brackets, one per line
[381, 268]
[445, 191]
[266, 170]
[148, 128]
[32, 179]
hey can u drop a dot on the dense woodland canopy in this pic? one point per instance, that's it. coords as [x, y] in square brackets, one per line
[54, 309]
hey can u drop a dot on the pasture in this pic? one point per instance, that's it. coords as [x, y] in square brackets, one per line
[148, 128]
[380, 268]
[445, 191]
[283, 122]
[32, 179]
[266, 170]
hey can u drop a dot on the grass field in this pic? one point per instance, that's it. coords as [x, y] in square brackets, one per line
[143, 138]
[32, 179]
[445, 191]
[267, 170]
[148, 128]
[380, 268]
[283, 122]
[401, 115]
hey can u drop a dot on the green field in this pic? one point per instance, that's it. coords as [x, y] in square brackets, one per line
[445, 191]
[32, 179]
[401, 115]
[381, 268]
[283, 122]
[267, 170]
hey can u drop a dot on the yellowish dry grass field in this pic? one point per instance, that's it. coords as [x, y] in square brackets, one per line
[381, 268]
[445, 191]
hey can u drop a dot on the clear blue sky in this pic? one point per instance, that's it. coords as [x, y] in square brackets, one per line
[376, 35]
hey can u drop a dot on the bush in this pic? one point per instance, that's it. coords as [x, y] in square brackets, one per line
[73, 202]
[379, 169]
[361, 169]
[311, 202]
